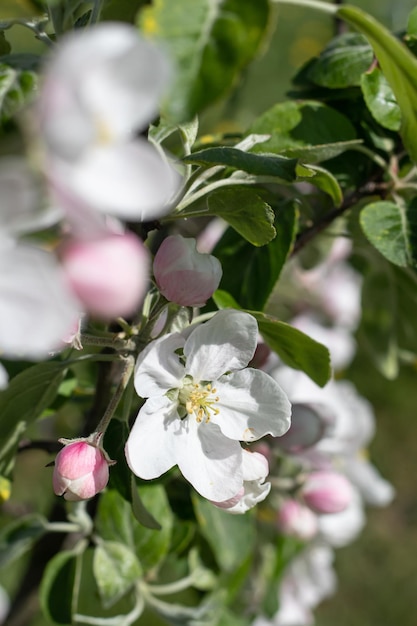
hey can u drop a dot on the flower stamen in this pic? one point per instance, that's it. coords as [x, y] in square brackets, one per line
[199, 401]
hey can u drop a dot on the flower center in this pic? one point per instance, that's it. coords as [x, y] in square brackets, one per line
[198, 399]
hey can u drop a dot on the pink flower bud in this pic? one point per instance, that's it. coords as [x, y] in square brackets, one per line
[183, 275]
[296, 520]
[307, 428]
[81, 470]
[109, 275]
[327, 492]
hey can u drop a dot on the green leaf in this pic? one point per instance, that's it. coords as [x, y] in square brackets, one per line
[27, 396]
[116, 570]
[5, 47]
[245, 211]
[19, 536]
[322, 179]
[295, 348]
[210, 41]
[377, 331]
[16, 87]
[380, 99]
[308, 130]
[231, 537]
[398, 65]
[388, 227]
[58, 591]
[256, 164]
[259, 268]
[140, 511]
[342, 62]
[116, 522]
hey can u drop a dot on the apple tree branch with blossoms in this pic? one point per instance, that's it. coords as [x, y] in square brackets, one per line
[178, 308]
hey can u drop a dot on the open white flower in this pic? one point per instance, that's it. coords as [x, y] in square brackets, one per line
[37, 307]
[101, 87]
[202, 403]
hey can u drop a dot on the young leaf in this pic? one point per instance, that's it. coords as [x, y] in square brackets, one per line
[16, 87]
[21, 10]
[322, 179]
[245, 211]
[256, 164]
[388, 227]
[399, 67]
[116, 522]
[380, 99]
[116, 570]
[210, 41]
[295, 348]
[342, 62]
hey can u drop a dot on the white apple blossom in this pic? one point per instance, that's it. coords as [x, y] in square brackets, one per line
[37, 307]
[350, 429]
[307, 581]
[255, 469]
[101, 87]
[202, 403]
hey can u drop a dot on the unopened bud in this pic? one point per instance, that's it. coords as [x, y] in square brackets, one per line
[81, 470]
[327, 492]
[109, 275]
[296, 520]
[183, 275]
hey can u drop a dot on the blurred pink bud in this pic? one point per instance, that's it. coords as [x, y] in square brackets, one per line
[183, 275]
[109, 275]
[81, 470]
[297, 520]
[327, 492]
[308, 426]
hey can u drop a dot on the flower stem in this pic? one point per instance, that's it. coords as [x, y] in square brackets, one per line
[129, 364]
[325, 7]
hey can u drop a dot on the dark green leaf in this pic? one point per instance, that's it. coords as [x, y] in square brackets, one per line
[231, 537]
[322, 179]
[399, 67]
[114, 443]
[309, 130]
[388, 227]
[210, 43]
[342, 62]
[380, 99]
[5, 47]
[59, 585]
[245, 211]
[116, 570]
[27, 396]
[19, 536]
[256, 164]
[17, 10]
[250, 274]
[295, 348]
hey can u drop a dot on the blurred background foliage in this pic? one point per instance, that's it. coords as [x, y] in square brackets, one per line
[378, 573]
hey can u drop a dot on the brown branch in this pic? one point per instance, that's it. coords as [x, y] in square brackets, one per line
[369, 189]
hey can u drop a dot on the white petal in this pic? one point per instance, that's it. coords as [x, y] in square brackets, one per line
[150, 448]
[209, 461]
[158, 368]
[251, 404]
[225, 343]
[255, 466]
[255, 492]
[19, 209]
[4, 378]
[374, 489]
[129, 180]
[36, 308]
